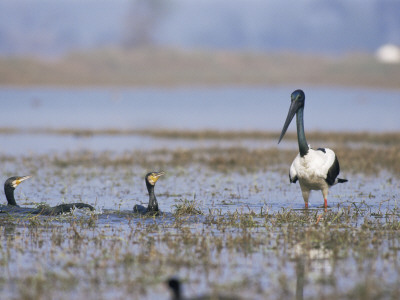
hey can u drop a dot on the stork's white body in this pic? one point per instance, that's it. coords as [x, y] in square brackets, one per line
[314, 171]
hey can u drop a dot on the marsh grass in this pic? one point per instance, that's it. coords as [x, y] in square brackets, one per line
[239, 245]
[234, 159]
[140, 256]
[371, 138]
[187, 207]
[367, 153]
[42, 205]
[169, 67]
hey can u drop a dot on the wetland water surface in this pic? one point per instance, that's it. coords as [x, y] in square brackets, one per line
[233, 223]
[198, 108]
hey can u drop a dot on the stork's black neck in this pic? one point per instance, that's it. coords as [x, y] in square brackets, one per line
[9, 191]
[301, 137]
[153, 204]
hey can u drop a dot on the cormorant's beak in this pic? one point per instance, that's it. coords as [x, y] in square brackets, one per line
[17, 181]
[292, 111]
[154, 176]
[159, 174]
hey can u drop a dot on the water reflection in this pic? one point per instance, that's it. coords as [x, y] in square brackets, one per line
[313, 263]
[300, 280]
[9, 230]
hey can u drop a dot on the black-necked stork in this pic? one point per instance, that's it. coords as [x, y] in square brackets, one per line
[314, 169]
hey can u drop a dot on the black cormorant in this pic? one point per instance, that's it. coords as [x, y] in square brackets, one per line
[175, 286]
[12, 206]
[152, 209]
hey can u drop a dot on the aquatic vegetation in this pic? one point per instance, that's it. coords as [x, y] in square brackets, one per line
[363, 160]
[115, 259]
[232, 225]
[187, 207]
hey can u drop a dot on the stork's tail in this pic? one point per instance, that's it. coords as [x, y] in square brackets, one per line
[340, 180]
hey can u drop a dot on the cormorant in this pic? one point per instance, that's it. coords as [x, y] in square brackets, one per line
[175, 286]
[314, 169]
[152, 209]
[12, 206]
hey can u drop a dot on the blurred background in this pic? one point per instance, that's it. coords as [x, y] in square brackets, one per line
[52, 28]
[225, 53]
[180, 42]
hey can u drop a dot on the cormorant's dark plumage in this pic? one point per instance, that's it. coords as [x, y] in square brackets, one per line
[12, 206]
[152, 208]
[9, 187]
[175, 285]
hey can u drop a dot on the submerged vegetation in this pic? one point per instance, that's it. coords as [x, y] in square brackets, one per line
[231, 224]
[308, 254]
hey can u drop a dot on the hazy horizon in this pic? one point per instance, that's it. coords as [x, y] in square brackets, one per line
[48, 28]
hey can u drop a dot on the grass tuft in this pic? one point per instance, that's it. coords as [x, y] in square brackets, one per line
[187, 207]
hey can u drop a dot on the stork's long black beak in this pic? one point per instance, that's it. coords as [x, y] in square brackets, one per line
[292, 111]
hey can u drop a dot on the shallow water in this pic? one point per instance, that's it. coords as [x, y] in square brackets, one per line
[124, 255]
[270, 191]
[227, 108]
[253, 239]
[20, 143]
